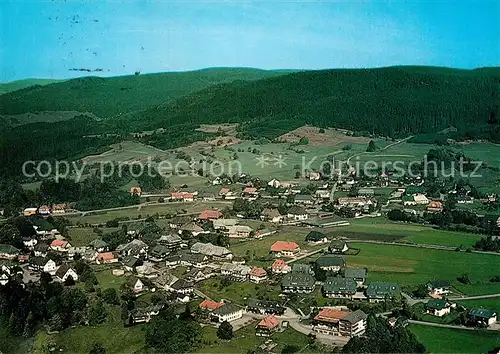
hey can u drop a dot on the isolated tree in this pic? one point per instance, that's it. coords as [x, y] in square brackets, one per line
[225, 331]
[371, 146]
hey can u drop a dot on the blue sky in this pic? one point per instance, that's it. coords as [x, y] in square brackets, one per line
[46, 39]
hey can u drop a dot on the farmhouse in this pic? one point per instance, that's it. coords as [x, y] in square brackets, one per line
[43, 210]
[99, 245]
[285, 249]
[366, 192]
[30, 211]
[136, 191]
[191, 228]
[224, 223]
[178, 221]
[257, 275]
[416, 199]
[272, 215]
[207, 249]
[144, 314]
[274, 183]
[60, 208]
[250, 191]
[465, 199]
[227, 312]
[326, 221]
[330, 262]
[299, 280]
[353, 202]
[106, 258]
[136, 285]
[340, 322]
[322, 194]
[239, 231]
[41, 249]
[64, 272]
[235, 271]
[210, 215]
[267, 326]
[136, 248]
[172, 242]
[316, 237]
[129, 263]
[379, 291]
[8, 252]
[158, 253]
[195, 275]
[437, 307]
[438, 287]
[182, 287]
[339, 288]
[435, 206]
[280, 267]
[209, 305]
[482, 317]
[338, 246]
[182, 196]
[297, 213]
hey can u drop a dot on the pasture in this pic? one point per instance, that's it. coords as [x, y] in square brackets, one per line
[447, 340]
[411, 266]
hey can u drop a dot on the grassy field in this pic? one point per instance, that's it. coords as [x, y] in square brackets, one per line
[410, 266]
[245, 340]
[382, 229]
[83, 236]
[106, 278]
[445, 340]
[112, 334]
[237, 292]
[493, 303]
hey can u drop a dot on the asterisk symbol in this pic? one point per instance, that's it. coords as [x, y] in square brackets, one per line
[280, 161]
[262, 161]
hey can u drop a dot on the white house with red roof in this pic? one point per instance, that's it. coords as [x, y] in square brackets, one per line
[257, 275]
[210, 214]
[60, 245]
[285, 249]
[280, 267]
[267, 326]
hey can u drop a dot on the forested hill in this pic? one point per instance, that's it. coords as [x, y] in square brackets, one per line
[106, 97]
[391, 101]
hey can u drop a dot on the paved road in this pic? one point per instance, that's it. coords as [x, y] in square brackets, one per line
[436, 247]
[305, 255]
[411, 301]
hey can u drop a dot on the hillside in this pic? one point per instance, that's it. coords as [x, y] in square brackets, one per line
[106, 97]
[21, 84]
[392, 101]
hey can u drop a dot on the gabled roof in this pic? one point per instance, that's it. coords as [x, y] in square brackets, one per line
[106, 256]
[356, 273]
[355, 317]
[279, 264]
[337, 244]
[257, 272]
[271, 213]
[439, 283]
[181, 284]
[269, 322]
[331, 315]
[59, 243]
[380, 289]
[62, 270]
[315, 236]
[300, 276]
[436, 304]
[279, 246]
[210, 305]
[297, 210]
[330, 260]
[99, 243]
[209, 249]
[210, 214]
[482, 313]
[340, 285]
[130, 261]
[168, 239]
[39, 261]
[303, 197]
[226, 309]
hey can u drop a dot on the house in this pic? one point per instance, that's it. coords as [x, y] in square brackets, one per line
[60, 208]
[147, 270]
[144, 314]
[196, 275]
[227, 312]
[99, 245]
[279, 266]
[196, 260]
[172, 242]
[314, 176]
[297, 213]
[8, 252]
[129, 263]
[330, 262]
[420, 199]
[339, 288]
[106, 258]
[482, 317]
[340, 322]
[257, 275]
[192, 228]
[221, 224]
[23, 258]
[303, 199]
[272, 215]
[164, 280]
[178, 221]
[136, 248]
[264, 232]
[158, 253]
[30, 211]
[366, 192]
[236, 271]
[299, 280]
[208, 197]
[44, 210]
[322, 194]
[358, 274]
[42, 264]
[182, 287]
[41, 249]
[250, 191]
[209, 250]
[316, 237]
[73, 251]
[182, 196]
[437, 307]
[438, 287]
[326, 221]
[285, 249]
[353, 202]
[264, 307]
[209, 305]
[465, 199]
[338, 246]
[210, 215]
[136, 191]
[379, 291]
[60, 245]
[267, 326]
[136, 285]
[239, 231]
[435, 206]
[64, 272]
[223, 192]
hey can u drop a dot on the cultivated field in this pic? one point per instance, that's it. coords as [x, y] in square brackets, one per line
[127, 151]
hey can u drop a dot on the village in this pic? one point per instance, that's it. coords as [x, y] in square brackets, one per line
[188, 250]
